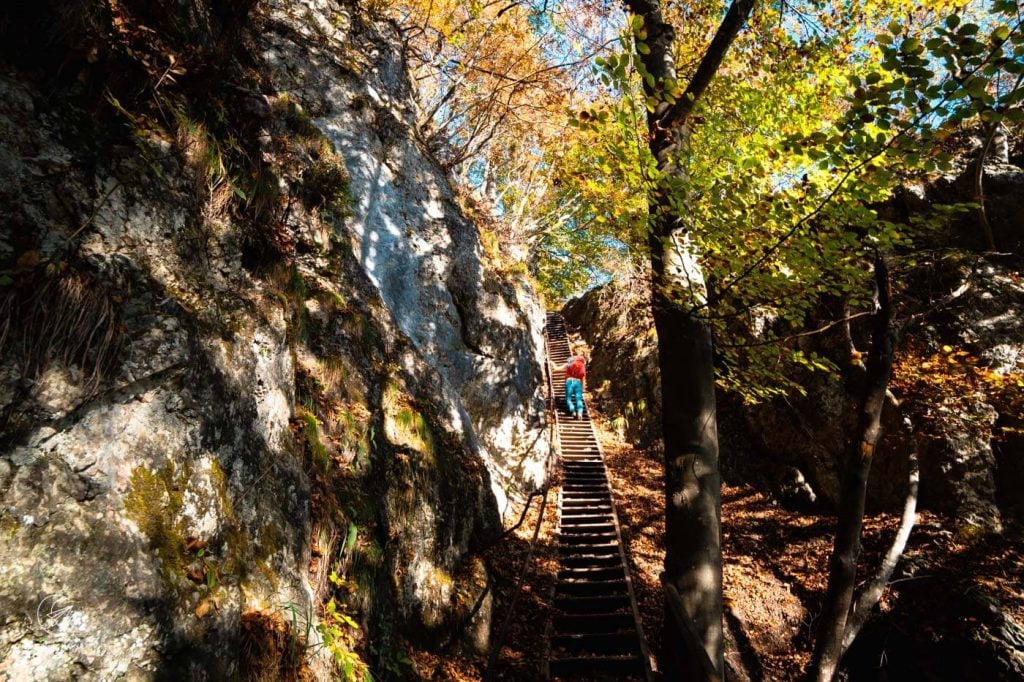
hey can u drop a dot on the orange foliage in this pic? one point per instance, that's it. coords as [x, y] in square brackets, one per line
[953, 380]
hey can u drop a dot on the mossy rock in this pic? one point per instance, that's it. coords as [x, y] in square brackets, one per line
[154, 502]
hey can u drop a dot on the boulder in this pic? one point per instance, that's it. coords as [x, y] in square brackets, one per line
[768, 616]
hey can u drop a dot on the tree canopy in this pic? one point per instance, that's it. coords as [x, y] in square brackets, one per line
[818, 113]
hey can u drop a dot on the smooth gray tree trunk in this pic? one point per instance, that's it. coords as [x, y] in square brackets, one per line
[693, 550]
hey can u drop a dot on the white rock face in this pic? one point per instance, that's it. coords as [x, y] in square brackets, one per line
[484, 336]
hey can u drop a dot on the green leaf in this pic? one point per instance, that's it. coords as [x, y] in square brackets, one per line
[989, 116]
[910, 46]
[350, 540]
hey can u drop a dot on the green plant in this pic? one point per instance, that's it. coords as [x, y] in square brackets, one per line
[311, 430]
[338, 630]
[325, 187]
[405, 425]
[209, 569]
[397, 663]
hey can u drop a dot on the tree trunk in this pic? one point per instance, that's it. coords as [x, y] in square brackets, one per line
[693, 554]
[868, 599]
[843, 565]
[979, 188]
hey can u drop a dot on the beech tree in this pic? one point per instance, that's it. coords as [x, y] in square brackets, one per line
[693, 552]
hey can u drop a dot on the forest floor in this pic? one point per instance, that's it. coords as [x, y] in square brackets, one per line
[775, 569]
[775, 563]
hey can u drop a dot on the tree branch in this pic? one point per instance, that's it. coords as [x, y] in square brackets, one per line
[735, 18]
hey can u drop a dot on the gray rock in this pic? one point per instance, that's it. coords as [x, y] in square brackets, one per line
[483, 335]
[111, 473]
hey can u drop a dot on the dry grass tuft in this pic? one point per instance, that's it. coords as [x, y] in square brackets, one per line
[271, 650]
[67, 317]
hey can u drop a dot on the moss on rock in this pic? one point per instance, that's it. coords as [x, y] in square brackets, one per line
[154, 502]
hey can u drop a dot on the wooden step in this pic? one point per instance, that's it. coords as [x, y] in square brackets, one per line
[582, 588]
[623, 643]
[570, 530]
[590, 510]
[597, 667]
[587, 518]
[591, 561]
[589, 574]
[597, 604]
[589, 549]
[592, 622]
[570, 500]
[576, 540]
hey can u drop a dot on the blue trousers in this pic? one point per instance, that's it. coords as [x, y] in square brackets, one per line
[574, 396]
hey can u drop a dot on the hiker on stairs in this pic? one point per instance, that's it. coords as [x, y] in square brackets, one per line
[575, 372]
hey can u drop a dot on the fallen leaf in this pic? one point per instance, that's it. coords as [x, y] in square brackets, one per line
[204, 607]
[27, 260]
[193, 544]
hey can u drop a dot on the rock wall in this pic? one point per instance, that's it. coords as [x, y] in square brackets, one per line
[482, 334]
[251, 359]
[1002, 184]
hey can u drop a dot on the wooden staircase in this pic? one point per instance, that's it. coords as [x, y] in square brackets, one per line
[595, 631]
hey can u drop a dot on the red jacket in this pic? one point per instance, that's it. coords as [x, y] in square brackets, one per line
[576, 368]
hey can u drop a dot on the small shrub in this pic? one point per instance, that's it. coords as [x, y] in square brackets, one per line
[338, 630]
[325, 187]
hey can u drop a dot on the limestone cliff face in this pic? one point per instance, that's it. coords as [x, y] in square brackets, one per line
[247, 340]
[482, 334]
